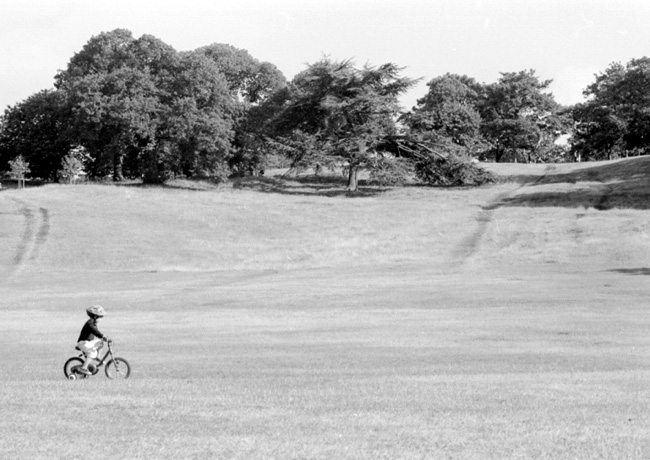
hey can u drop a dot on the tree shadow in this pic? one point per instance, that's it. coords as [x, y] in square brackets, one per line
[632, 271]
[12, 184]
[522, 179]
[620, 184]
[325, 186]
[186, 184]
[307, 185]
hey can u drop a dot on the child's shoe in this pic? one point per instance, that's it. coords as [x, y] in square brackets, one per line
[81, 370]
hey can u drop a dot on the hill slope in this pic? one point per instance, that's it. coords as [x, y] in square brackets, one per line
[594, 214]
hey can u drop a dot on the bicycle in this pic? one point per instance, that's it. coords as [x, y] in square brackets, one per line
[116, 368]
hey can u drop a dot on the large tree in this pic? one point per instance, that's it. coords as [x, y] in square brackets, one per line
[200, 119]
[447, 115]
[338, 114]
[139, 101]
[514, 119]
[615, 120]
[251, 84]
[521, 119]
[37, 129]
[139, 108]
[248, 79]
[115, 97]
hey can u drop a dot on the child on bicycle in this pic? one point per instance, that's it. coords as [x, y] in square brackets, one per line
[90, 338]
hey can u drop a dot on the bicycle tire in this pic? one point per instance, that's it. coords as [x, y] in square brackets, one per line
[70, 365]
[118, 369]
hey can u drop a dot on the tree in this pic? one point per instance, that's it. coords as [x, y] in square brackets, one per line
[198, 126]
[615, 120]
[38, 129]
[72, 166]
[251, 84]
[141, 109]
[513, 119]
[114, 99]
[345, 113]
[139, 103]
[520, 120]
[434, 163]
[249, 80]
[449, 110]
[19, 169]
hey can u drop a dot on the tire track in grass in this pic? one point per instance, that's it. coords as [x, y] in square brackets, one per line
[43, 232]
[34, 236]
[603, 204]
[28, 231]
[471, 244]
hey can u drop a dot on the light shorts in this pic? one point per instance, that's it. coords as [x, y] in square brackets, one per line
[90, 347]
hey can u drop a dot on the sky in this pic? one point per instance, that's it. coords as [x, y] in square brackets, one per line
[567, 41]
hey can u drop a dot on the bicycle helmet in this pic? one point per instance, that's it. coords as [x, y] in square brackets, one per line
[96, 311]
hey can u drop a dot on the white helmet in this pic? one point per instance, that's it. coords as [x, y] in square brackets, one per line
[96, 311]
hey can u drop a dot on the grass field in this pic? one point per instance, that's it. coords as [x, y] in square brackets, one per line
[285, 319]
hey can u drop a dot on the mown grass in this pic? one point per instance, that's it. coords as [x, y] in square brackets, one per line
[300, 322]
[305, 416]
[125, 229]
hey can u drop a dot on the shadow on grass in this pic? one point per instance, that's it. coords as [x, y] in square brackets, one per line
[622, 184]
[186, 184]
[311, 185]
[326, 186]
[632, 271]
[12, 184]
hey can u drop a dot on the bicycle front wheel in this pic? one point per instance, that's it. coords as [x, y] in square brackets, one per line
[118, 368]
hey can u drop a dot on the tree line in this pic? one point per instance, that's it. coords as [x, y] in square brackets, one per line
[136, 108]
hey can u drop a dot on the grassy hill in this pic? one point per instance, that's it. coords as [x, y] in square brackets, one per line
[284, 318]
[275, 224]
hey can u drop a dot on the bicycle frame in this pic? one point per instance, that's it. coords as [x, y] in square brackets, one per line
[109, 351]
[114, 366]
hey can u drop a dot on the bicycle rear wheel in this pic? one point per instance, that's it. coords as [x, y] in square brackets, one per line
[118, 368]
[70, 368]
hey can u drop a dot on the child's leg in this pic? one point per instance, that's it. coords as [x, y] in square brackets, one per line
[84, 366]
[90, 353]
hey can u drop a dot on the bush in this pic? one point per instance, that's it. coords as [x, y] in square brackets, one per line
[452, 170]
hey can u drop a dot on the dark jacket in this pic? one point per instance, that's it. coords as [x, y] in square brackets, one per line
[90, 331]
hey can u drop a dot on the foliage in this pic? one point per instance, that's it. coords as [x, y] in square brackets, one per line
[251, 84]
[615, 120]
[19, 168]
[249, 80]
[38, 130]
[511, 120]
[449, 110]
[520, 119]
[72, 166]
[141, 109]
[438, 163]
[141, 105]
[337, 114]
[454, 170]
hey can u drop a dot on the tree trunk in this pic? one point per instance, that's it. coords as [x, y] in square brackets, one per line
[497, 155]
[353, 172]
[118, 161]
[353, 181]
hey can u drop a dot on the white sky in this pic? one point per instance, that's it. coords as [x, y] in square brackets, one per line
[564, 40]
